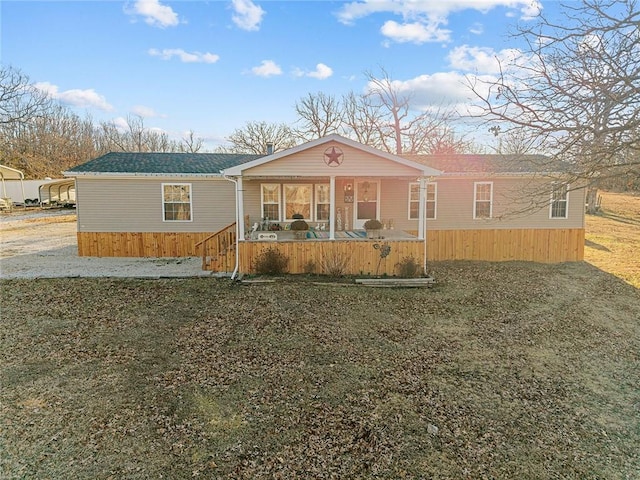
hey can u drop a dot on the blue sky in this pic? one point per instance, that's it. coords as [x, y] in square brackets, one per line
[212, 66]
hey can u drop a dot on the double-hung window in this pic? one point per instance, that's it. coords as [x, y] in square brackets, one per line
[176, 202]
[430, 200]
[559, 201]
[322, 202]
[270, 200]
[297, 200]
[483, 199]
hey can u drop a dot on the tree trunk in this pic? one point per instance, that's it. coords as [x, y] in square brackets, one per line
[592, 200]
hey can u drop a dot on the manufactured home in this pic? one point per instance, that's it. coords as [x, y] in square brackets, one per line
[230, 208]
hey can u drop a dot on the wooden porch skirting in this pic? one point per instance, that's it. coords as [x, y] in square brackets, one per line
[544, 246]
[139, 244]
[534, 245]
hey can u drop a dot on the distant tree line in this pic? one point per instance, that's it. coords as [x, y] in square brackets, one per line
[42, 138]
[382, 118]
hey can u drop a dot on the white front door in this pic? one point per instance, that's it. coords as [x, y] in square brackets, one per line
[366, 205]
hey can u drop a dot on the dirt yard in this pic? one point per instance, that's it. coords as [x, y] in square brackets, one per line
[42, 244]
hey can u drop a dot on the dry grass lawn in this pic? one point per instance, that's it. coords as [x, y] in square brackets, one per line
[502, 370]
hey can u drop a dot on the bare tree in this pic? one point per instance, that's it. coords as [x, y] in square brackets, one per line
[20, 101]
[255, 136]
[383, 117]
[318, 115]
[513, 142]
[393, 105]
[402, 129]
[577, 95]
[360, 120]
[134, 137]
[191, 144]
[42, 137]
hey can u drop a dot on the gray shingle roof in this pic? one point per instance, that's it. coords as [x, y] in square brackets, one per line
[158, 163]
[477, 163]
[213, 163]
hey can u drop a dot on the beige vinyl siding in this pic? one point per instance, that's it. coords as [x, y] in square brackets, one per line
[135, 205]
[252, 203]
[395, 204]
[311, 163]
[456, 202]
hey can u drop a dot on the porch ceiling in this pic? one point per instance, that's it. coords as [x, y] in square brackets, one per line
[326, 177]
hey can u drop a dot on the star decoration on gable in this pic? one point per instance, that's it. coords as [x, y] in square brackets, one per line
[333, 157]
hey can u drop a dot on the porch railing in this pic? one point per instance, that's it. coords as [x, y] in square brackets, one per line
[216, 249]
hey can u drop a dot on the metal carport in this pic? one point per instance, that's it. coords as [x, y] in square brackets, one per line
[8, 173]
[59, 192]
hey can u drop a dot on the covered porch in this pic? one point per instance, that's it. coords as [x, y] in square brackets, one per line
[311, 203]
[331, 208]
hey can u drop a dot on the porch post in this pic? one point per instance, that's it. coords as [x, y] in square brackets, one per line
[240, 208]
[332, 207]
[422, 208]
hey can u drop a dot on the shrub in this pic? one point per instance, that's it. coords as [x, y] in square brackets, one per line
[408, 267]
[334, 264]
[299, 225]
[309, 267]
[372, 224]
[271, 262]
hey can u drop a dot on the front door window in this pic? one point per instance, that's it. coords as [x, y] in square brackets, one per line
[367, 202]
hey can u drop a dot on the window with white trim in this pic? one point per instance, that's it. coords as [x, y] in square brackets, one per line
[297, 200]
[323, 202]
[483, 199]
[430, 200]
[270, 201]
[559, 201]
[176, 202]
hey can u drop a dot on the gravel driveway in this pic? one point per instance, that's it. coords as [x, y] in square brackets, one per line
[42, 244]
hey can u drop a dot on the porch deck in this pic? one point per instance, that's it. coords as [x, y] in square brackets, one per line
[288, 235]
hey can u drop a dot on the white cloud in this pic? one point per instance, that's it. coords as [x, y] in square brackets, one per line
[267, 68]
[123, 125]
[434, 89]
[157, 130]
[75, 97]
[154, 13]
[448, 90]
[411, 9]
[482, 59]
[248, 15]
[414, 32]
[472, 58]
[423, 20]
[186, 57]
[321, 72]
[120, 123]
[145, 112]
[477, 29]
[531, 10]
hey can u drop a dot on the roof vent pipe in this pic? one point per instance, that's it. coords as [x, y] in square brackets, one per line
[269, 148]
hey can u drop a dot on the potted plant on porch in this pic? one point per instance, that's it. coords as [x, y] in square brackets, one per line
[299, 227]
[373, 227]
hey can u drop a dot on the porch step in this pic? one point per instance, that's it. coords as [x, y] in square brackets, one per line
[397, 282]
